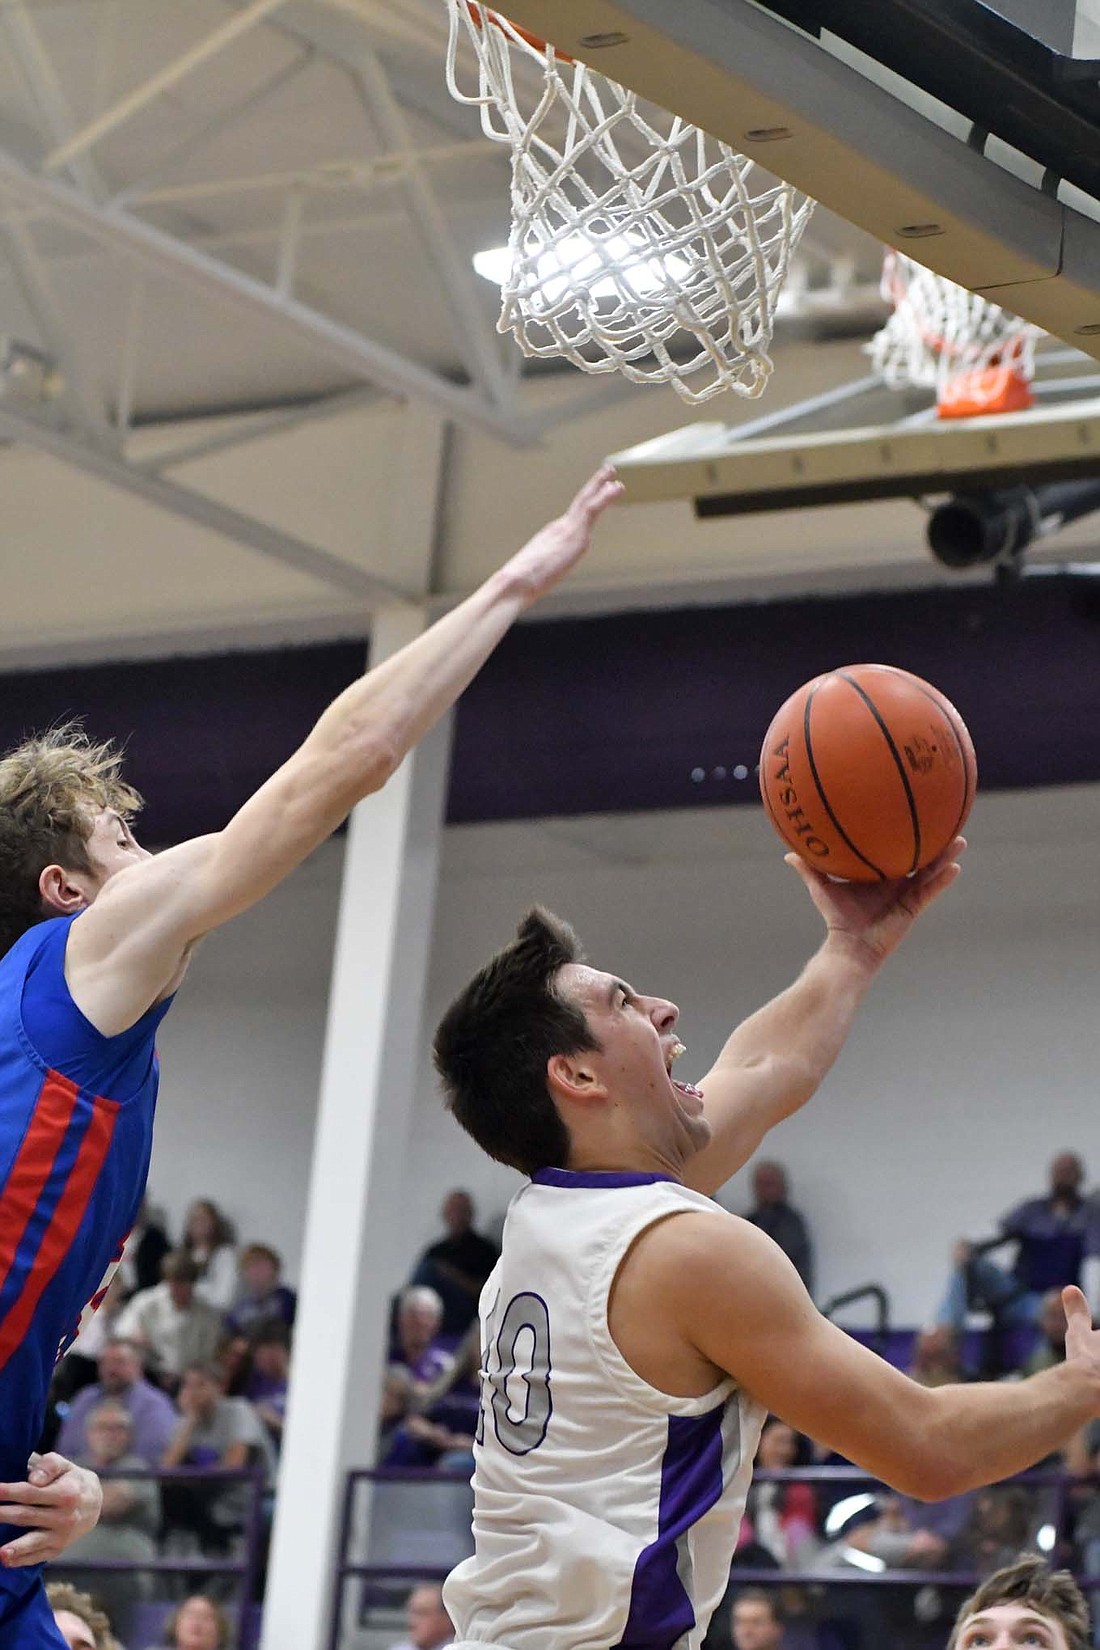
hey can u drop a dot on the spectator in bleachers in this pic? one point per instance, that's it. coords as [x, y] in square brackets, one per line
[1057, 1240]
[145, 1249]
[426, 1621]
[783, 1516]
[152, 1414]
[1021, 1604]
[936, 1358]
[755, 1621]
[457, 1266]
[269, 1379]
[1001, 1525]
[1051, 1349]
[80, 1624]
[130, 1518]
[210, 1240]
[419, 1363]
[214, 1431]
[234, 1361]
[80, 1365]
[171, 1322]
[773, 1213]
[262, 1297]
[1083, 1461]
[912, 1535]
[198, 1624]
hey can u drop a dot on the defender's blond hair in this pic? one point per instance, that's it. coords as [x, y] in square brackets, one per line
[62, 1596]
[1030, 1582]
[50, 787]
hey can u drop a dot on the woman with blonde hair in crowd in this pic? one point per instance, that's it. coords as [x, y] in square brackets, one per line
[198, 1624]
[210, 1240]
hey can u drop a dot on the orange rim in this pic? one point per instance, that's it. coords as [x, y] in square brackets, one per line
[480, 15]
[990, 390]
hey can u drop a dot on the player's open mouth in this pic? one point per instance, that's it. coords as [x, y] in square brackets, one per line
[673, 1052]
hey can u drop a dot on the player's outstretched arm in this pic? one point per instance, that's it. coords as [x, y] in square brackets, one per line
[776, 1059]
[127, 949]
[732, 1295]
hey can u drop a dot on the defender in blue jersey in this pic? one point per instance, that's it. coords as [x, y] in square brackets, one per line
[95, 937]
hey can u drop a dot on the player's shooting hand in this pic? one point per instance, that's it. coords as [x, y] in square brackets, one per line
[878, 915]
[561, 543]
[57, 1503]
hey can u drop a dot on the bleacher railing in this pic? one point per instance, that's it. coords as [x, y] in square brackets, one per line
[363, 1533]
[245, 1567]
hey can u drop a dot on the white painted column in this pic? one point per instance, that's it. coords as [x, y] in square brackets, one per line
[350, 1262]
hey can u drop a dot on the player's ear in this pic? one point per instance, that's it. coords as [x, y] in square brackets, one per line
[573, 1077]
[62, 892]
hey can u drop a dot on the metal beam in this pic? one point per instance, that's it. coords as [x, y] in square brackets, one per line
[469, 327]
[172, 73]
[253, 427]
[49, 96]
[356, 355]
[195, 507]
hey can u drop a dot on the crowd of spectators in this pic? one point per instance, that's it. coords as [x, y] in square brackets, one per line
[186, 1365]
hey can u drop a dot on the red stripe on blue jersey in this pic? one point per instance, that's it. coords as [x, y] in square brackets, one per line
[27, 1194]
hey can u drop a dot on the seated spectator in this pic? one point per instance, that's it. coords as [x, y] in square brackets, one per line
[1000, 1527]
[1057, 1240]
[427, 1623]
[755, 1621]
[783, 1516]
[936, 1358]
[1023, 1604]
[214, 1432]
[1051, 1349]
[81, 1625]
[209, 1238]
[457, 1266]
[145, 1249]
[152, 1414]
[130, 1517]
[234, 1362]
[912, 1535]
[174, 1326]
[1083, 1461]
[80, 1365]
[419, 1367]
[773, 1213]
[262, 1297]
[266, 1387]
[198, 1624]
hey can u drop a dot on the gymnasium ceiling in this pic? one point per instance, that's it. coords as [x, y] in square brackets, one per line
[222, 221]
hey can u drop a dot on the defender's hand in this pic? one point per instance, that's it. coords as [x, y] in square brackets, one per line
[58, 1503]
[560, 544]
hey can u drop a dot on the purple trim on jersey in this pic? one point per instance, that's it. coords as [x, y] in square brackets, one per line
[661, 1610]
[603, 1178]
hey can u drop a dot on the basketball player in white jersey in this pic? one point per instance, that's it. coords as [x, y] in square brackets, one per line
[634, 1334]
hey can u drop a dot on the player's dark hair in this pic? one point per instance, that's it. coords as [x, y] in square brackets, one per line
[1051, 1593]
[493, 1043]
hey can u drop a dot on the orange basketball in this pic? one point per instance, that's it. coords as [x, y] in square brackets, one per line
[868, 772]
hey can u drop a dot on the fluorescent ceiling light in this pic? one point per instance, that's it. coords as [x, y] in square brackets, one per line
[576, 261]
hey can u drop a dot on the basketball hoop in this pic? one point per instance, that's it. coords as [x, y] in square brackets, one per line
[975, 355]
[639, 244]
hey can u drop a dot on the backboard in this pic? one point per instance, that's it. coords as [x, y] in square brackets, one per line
[966, 134]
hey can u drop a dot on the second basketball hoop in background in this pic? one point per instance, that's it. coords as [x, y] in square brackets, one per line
[868, 773]
[639, 244]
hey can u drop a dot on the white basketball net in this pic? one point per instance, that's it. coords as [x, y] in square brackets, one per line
[939, 332]
[638, 244]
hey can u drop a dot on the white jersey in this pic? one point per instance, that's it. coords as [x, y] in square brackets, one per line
[605, 1512]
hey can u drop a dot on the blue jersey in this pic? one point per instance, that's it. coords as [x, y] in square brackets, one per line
[76, 1133]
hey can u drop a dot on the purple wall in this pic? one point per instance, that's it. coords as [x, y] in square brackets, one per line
[613, 714]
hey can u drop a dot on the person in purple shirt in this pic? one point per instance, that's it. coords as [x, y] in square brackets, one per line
[152, 1412]
[264, 1298]
[1057, 1241]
